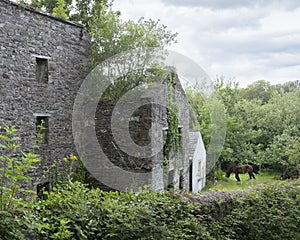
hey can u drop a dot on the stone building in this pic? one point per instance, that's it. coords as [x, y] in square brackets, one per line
[182, 169]
[43, 62]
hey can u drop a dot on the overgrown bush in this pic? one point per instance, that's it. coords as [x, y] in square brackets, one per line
[271, 213]
[66, 213]
[14, 167]
[220, 176]
[74, 212]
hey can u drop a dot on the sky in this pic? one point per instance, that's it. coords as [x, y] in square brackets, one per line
[239, 40]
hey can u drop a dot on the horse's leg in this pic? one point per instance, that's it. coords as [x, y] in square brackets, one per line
[237, 177]
[250, 175]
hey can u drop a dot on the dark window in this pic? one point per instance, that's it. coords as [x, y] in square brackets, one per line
[180, 136]
[181, 180]
[42, 129]
[191, 178]
[170, 180]
[165, 135]
[42, 70]
[41, 190]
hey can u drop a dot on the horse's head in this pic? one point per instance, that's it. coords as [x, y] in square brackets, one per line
[228, 172]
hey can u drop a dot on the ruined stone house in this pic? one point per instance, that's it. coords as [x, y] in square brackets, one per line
[43, 61]
[182, 167]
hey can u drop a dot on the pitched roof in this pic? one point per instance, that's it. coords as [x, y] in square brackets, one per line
[194, 137]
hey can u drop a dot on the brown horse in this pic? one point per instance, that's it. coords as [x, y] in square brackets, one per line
[247, 168]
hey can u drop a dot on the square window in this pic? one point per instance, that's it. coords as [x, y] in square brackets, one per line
[41, 189]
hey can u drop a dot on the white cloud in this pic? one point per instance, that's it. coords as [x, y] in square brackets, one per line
[217, 4]
[246, 40]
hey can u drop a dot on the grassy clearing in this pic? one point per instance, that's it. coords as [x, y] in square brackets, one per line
[230, 184]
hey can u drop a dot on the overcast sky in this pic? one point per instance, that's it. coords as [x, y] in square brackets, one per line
[244, 40]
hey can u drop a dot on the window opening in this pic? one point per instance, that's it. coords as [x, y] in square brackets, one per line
[42, 70]
[42, 129]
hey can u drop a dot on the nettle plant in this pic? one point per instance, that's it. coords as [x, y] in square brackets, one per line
[14, 166]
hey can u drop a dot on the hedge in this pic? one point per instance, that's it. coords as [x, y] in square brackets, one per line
[72, 211]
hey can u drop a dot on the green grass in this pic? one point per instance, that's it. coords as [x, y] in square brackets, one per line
[231, 184]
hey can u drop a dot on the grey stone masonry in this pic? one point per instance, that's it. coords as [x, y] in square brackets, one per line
[176, 173]
[43, 61]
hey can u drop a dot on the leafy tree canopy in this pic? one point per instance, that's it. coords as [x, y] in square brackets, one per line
[110, 35]
[263, 123]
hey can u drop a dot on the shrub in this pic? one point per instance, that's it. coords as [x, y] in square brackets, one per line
[74, 212]
[14, 168]
[271, 213]
[66, 213]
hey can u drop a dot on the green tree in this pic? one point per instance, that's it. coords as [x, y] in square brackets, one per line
[83, 11]
[207, 115]
[199, 113]
[283, 152]
[257, 123]
[111, 36]
[59, 10]
[51, 6]
[239, 146]
[288, 86]
[260, 89]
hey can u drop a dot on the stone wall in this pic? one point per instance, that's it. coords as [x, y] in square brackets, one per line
[143, 133]
[139, 126]
[33, 42]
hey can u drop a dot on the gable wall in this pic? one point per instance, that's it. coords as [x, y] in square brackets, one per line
[24, 35]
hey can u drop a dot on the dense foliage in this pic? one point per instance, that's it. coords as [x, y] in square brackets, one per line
[271, 213]
[72, 211]
[263, 124]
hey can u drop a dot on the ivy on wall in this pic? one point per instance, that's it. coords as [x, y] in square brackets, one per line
[173, 135]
